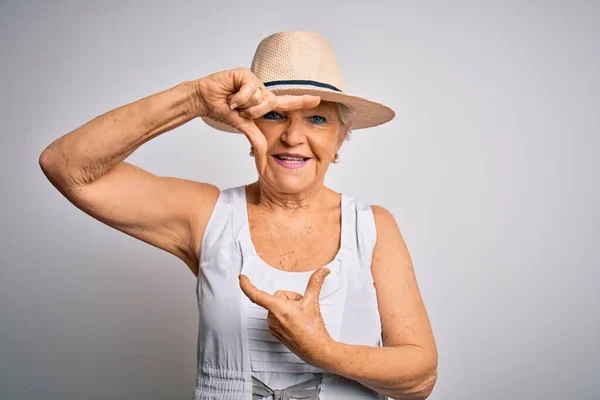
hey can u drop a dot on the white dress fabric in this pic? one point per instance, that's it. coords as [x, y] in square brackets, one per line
[238, 358]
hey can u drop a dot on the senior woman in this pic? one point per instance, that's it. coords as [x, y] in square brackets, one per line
[304, 293]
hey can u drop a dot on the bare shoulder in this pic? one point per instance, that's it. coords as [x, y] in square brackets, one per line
[207, 196]
[388, 231]
[384, 219]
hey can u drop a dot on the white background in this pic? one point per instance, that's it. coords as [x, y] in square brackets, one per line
[490, 169]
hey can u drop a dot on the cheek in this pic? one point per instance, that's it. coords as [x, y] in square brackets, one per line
[324, 147]
[271, 134]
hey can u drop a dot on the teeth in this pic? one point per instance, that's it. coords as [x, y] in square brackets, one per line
[291, 158]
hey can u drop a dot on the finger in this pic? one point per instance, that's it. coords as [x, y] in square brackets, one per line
[256, 295]
[255, 136]
[243, 98]
[268, 104]
[257, 97]
[315, 283]
[290, 102]
[255, 100]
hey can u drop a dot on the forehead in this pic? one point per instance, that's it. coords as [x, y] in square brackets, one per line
[324, 106]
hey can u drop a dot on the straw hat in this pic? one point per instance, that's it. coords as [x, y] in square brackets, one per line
[299, 63]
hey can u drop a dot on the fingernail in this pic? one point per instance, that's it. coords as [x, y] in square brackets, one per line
[233, 105]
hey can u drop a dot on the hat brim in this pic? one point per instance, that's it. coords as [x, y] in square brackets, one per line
[365, 113]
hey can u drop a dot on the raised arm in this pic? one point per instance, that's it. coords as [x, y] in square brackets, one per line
[87, 167]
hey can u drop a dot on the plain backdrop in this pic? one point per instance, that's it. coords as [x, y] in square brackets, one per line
[490, 168]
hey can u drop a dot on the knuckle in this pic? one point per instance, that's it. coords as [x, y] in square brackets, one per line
[242, 70]
[245, 91]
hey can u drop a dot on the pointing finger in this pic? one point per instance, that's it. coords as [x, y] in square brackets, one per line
[256, 295]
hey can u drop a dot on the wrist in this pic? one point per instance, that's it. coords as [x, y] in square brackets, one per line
[196, 104]
[327, 355]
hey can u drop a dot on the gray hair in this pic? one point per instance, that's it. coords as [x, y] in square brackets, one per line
[345, 115]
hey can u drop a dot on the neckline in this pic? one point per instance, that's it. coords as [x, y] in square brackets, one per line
[332, 265]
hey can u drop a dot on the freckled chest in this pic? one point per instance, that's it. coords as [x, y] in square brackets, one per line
[301, 244]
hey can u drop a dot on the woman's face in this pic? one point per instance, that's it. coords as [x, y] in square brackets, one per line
[300, 147]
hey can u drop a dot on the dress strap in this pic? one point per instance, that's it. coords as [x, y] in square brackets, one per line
[348, 233]
[240, 222]
[365, 231]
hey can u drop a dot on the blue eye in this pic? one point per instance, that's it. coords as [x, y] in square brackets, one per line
[317, 119]
[272, 115]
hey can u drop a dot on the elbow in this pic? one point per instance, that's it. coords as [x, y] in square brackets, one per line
[421, 388]
[49, 164]
[46, 160]
[420, 391]
[425, 389]
[52, 158]
[52, 164]
[427, 383]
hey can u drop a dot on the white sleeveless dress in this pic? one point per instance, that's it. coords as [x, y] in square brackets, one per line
[238, 358]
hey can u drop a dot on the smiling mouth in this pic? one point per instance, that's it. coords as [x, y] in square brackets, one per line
[290, 158]
[290, 161]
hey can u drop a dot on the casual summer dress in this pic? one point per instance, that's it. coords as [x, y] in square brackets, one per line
[238, 358]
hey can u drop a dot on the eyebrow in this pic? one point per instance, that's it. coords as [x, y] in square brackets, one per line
[324, 110]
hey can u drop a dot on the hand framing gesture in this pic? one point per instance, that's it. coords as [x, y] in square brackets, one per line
[293, 318]
[237, 97]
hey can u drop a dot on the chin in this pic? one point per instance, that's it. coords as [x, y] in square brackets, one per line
[291, 185]
[290, 180]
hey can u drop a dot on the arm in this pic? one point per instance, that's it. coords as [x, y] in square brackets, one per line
[87, 167]
[406, 367]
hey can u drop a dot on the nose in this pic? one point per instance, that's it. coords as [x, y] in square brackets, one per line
[295, 132]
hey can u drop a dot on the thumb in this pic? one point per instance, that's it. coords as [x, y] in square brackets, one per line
[315, 284]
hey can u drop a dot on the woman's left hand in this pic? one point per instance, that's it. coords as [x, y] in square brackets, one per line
[293, 318]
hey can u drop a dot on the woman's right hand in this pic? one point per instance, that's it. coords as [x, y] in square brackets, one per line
[237, 97]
